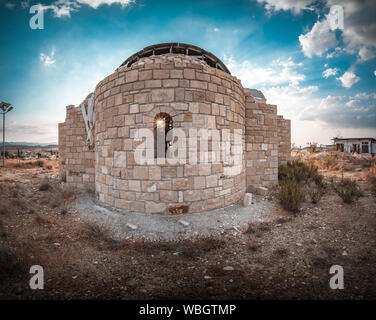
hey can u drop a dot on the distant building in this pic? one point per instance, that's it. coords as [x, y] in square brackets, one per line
[358, 145]
[327, 147]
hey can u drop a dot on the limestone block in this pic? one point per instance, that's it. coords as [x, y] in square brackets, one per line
[247, 199]
[155, 207]
[262, 191]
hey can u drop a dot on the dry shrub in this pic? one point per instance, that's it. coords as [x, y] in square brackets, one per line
[293, 179]
[26, 164]
[216, 270]
[315, 193]
[290, 195]
[281, 252]
[45, 186]
[258, 227]
[40, 162]
[94, 232]
[44, 220]
[68, 192]
[2, 231]
[5, 208]
[283, 220]
[373, 185]
[31, 252]
[254, 246]
[50, 236]
[330, 162]
[9, 264]
[199, 246]
[348, 190]
[298, 170]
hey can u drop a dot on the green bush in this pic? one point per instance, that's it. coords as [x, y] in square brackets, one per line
[348, 190]
[293, 179]
[298, 170]
[290, 194]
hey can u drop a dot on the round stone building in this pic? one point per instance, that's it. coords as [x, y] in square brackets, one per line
[172, 131]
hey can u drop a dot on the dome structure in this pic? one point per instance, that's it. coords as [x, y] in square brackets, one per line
[177, 48]
[178, 102]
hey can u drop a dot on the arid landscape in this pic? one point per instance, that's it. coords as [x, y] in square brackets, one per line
[286, 257]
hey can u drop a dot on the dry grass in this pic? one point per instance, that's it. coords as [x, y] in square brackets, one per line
[44, 220]
[330, 162]
[348, 190]
[290, 194]
[315, 194]
[258, 228]
[296, 179]
[30, 164]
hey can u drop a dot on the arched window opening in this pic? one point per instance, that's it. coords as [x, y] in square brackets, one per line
[162, 125]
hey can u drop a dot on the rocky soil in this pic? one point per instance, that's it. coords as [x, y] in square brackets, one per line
[284, 257]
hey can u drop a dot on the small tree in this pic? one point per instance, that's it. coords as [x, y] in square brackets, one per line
[312, 147]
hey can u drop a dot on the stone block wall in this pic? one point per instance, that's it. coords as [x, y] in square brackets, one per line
[196, 96]
[75, 159]
[284, 145]
[62, 156]
[261, 144]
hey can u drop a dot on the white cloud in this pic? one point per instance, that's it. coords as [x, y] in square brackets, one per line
[360, 23]
[357, 111]
[96, 3]
[291, 99]
[63, 8]
[296, 6]
[348, 79]
[335, 53]
[9, 5]
[330, 72]
[47, 60]
[319, 40]
[277, 73]
[216, 29]
[28, 131]
[366, 54]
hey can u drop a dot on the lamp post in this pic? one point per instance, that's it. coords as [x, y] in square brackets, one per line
[6, 108]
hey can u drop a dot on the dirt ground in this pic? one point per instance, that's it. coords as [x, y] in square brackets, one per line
[288, 257]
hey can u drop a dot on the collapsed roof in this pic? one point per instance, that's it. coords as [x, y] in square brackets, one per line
[178, 48]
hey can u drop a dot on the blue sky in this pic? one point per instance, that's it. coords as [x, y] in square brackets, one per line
[322, 79]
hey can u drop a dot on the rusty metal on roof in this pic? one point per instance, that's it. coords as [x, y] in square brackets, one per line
[178, 48]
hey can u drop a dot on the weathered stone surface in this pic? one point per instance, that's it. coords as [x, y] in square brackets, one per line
[262, 191]
[155, 207]
[196, 96]
[178, 208]
[247, 199]
[184, 223]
